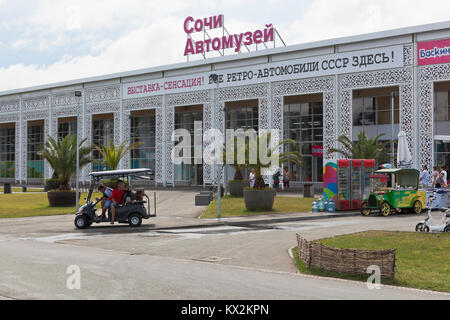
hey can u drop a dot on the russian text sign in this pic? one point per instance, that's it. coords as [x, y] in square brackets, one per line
[341, 63]
[434, 52]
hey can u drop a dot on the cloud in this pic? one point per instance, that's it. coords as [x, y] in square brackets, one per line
[101, 37]
[326, 19]
[20, 44]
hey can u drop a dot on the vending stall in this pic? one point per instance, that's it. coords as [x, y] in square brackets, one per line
[347, 182]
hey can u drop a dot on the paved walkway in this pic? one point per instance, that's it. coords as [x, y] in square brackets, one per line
[175, 209]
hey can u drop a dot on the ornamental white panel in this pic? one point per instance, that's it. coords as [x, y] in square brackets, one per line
[325, 85]
[204, 98]
[427, 76]
[99, 94]
[9, 106]
[34, 103]
[398, 77]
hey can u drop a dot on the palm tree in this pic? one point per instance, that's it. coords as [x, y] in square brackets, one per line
[364, 148]
[112, 155]
[238, 167]
[61, 154]
[293, 156]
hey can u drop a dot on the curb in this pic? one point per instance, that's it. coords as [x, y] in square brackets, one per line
[263, 221]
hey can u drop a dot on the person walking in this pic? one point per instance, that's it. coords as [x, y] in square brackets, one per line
[440, 182]
[444, 172]
[252, 178]
[435, 177]
[286, 178]
[424, 178]
[276, 180]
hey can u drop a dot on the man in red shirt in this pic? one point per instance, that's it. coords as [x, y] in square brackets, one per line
[117, 198]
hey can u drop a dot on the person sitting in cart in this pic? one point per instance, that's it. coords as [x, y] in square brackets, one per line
[106, 199]
[117, 198]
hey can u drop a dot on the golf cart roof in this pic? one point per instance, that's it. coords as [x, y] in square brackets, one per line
[397, 171]
[122, 173]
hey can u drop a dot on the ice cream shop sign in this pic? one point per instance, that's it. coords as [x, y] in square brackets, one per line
[224, 42]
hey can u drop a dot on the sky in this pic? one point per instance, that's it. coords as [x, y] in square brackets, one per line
[48, 41]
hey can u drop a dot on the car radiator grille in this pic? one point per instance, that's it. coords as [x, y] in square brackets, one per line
[373, 202]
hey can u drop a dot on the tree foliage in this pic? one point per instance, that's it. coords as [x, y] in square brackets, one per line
[112, 155]
[364, 148]
[61, 154]
[258, 163]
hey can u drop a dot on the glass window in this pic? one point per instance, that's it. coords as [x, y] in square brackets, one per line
[7, 152]
[143, 130]
[189, 172]
[375, 110]
[66, 128]
[442, 155]
[442, 106]
[102, 134]
[35, 139]
[242, 118]
[303, 123]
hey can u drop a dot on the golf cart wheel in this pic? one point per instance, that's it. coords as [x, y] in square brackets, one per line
[447, 229]
[365, 211]
[386, 209]
[81, 222]
[417, 207]
[135, 220]
[419, 227]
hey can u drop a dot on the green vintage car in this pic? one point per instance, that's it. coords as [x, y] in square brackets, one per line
[394, 190]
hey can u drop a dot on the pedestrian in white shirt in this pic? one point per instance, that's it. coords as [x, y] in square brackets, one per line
[424, 178]
[444, 172]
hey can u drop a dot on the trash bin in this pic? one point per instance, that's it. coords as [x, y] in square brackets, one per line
[24, 189]
[308, 191]
[7, 188]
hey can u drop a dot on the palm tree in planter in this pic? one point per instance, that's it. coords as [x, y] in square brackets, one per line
[238, 183]
[112, 155]
[61, 154]
[364, 148]
[260, 197]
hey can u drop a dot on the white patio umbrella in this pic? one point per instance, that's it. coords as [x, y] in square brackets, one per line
[404, 157]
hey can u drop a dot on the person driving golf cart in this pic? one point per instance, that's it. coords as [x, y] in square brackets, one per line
[117, 198]
[126, 207]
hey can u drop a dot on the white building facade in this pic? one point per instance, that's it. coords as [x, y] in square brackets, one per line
[312, 93]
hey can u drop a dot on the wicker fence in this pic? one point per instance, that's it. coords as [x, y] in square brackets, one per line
[348, 261]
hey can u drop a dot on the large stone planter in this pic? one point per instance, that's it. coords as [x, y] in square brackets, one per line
[237, 188]
[259, 199]
[62, 199]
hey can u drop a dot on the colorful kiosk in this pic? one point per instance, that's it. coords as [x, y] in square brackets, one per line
[347, 182]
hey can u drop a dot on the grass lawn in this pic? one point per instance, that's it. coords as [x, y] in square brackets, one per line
[20, 190]
[235, 207]
[31, 205]
[423, 260]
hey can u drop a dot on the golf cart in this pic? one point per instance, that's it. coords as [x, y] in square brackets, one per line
[394, 190]
[133, 209]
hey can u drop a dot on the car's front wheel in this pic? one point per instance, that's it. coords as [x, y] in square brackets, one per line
[81, 222]
[365, 211]
[386, 209]
[135, 220]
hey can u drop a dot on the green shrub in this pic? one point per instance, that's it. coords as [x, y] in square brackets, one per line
[52, 184]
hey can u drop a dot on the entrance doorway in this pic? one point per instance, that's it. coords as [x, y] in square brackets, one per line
[303, 123]
[185, 118]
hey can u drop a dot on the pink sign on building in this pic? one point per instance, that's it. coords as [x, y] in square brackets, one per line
[434, 52]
